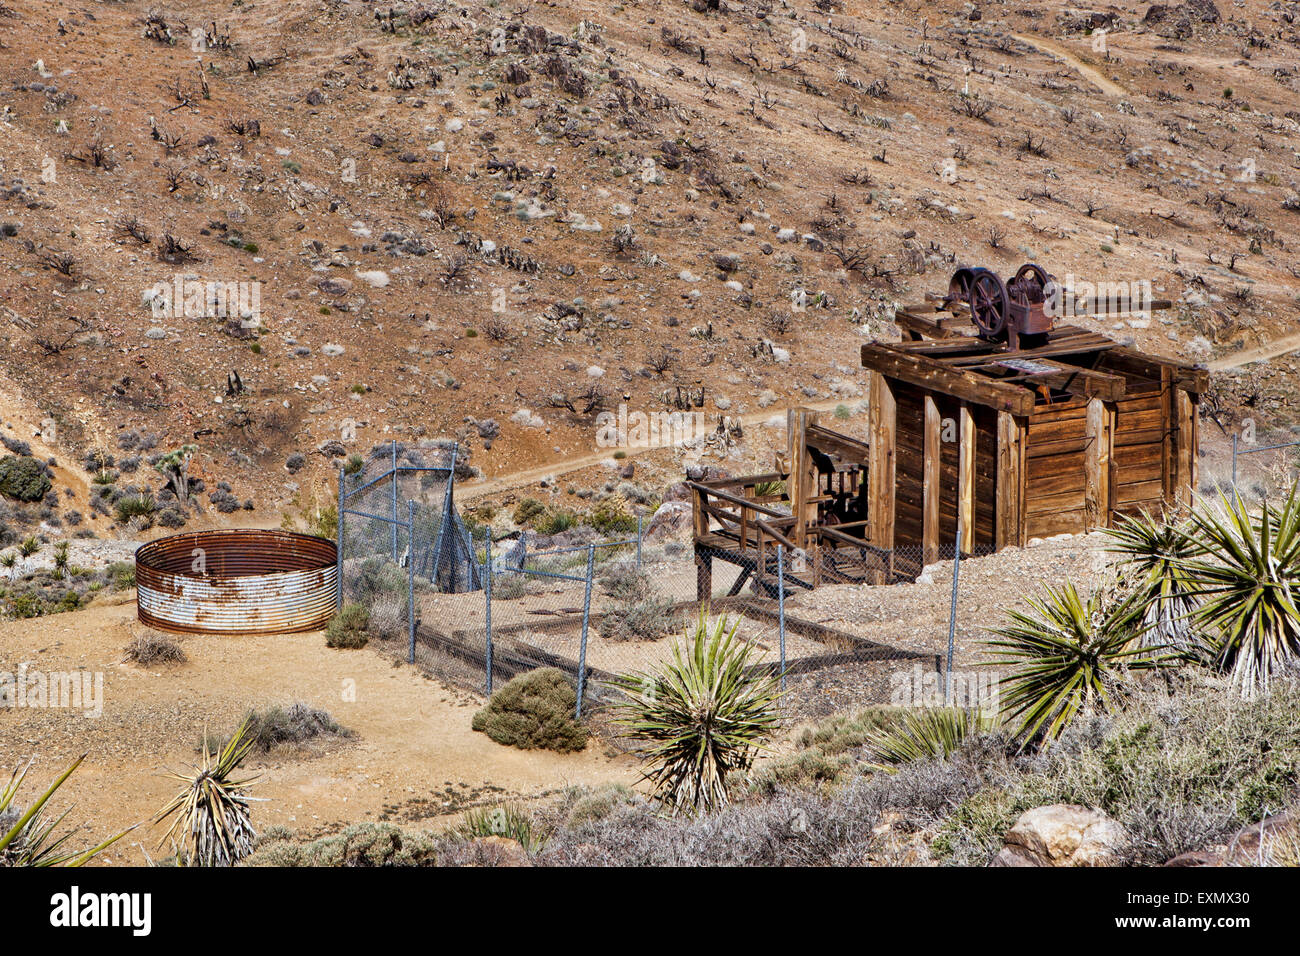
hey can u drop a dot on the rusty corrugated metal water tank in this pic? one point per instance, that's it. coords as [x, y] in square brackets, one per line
[240, 581]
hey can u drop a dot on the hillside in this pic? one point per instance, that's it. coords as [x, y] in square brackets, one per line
[490, 222]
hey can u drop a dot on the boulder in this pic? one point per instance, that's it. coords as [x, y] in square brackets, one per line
[671, 520]
[1063, 835]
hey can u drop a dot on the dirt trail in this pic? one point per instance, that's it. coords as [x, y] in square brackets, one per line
[527, 476]
[414, 760]
[1262, 353]
[1091, 74]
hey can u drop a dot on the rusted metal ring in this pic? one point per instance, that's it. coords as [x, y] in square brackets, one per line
[237, 581]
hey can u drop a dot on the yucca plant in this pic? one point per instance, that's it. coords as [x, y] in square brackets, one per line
[29, 546]
[29, 840]
[705, 715]
[61, 558]
[1248, 581]
[7, 561]
[1066, 656]
[212, 825]
[923, 734]
[505, 821]
[1157, 551]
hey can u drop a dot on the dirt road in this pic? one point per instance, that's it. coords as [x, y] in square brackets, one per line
[1092, 75]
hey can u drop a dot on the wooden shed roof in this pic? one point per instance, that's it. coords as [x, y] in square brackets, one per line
[950, 358]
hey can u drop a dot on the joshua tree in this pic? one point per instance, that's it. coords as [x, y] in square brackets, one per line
[174, 466]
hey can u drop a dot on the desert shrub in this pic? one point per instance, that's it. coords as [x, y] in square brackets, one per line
[151, 647]
[211, 818]
[295, 724]
[534, 711]
[23, 478]
[379, 576]
[641, 613]
[135, 506]
[388, 615]
[172, 518]
[1066, 656]
[25, 606]
[587, 805]
[28, 837]
[527, 510]
[554, 521]
[612, 517]
[362, 844]
[16, 445]
[703, 715]
[1157, 551]
[349, 627]
[623, 582]
[509, 586]
[121, 574]
[646, 619]
[1179, 771]
[932, 733]
[507, 821]
[1247, 576]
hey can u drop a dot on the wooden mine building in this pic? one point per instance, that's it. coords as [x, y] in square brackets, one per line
[1058, 435]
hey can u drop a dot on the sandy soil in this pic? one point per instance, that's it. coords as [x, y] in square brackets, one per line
[414, 757]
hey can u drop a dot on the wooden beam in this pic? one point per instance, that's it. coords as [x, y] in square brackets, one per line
[923, 325]
[829, 441]
[935, 376]
[880, 470]
[1187, 418]
[1100, 432]
[1168, 462]
[966, 478]
[1010, 514]
[703, 575]
[1082, 382]
[803, 475]
[1191, 378]
[931, 485]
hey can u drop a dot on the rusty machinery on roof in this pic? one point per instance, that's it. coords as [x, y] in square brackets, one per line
[239, 581]
[1006, 310]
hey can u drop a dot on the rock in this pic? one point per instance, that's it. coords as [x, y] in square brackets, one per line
[628, 470]
[1063, 835]
[671, 519]
[1260, 844]
[726, 261]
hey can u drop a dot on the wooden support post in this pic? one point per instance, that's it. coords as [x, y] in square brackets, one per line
[1169, 425]
[703, 576]
[1010, 526]
[880, 470]
[1097, 471]
[966, 479]
[803, 477]
[1187, 444]
[930, 484]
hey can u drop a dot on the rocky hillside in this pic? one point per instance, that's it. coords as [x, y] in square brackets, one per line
[286, 231]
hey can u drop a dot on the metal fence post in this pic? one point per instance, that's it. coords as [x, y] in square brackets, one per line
[780, 604]
[1234, 461]
[586, 617]
[639, 517]
[952, 614]
[338, 557]
[410, 574]
[487, 590]
[394, 480]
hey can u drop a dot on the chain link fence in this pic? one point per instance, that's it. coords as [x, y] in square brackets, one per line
[477, 612]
